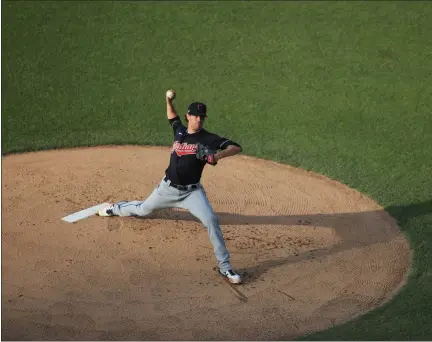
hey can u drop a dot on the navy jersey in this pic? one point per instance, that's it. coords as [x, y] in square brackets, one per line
[185, 168]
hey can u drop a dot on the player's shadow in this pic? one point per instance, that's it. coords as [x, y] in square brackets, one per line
[354, 229]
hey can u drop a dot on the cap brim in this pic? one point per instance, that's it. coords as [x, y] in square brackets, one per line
[197, 114]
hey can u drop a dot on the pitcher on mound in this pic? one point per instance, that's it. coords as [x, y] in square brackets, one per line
[193, 148]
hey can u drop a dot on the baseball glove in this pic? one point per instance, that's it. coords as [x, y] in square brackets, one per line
[204, 152]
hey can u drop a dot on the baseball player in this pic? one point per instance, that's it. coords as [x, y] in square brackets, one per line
[193, 148]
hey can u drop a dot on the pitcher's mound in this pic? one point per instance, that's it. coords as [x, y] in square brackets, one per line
[312, 252]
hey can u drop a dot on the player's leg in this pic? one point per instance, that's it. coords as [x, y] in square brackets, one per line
[162, 197]
[198, 205]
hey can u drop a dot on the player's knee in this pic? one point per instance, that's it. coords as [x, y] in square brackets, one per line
[145, 209]
[211, 221]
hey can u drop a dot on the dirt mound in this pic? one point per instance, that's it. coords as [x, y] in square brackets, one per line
[312, 252]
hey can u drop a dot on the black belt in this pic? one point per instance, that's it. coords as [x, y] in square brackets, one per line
[181, 187]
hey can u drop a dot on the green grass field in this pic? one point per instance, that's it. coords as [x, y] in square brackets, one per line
[340, 88]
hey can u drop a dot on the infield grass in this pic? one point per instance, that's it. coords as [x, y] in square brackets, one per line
[340, 88]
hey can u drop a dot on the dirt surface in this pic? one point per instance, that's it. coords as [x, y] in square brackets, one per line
[312, 252]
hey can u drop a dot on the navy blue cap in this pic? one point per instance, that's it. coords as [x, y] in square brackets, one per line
[198, 109]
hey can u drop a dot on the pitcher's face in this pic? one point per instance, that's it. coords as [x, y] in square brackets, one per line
[195, 122]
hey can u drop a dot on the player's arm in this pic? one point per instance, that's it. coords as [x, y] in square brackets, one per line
[227, 148]
[171, 112]
[173, 118]
[230, 150]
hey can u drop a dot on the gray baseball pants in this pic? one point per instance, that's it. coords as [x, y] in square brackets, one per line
[194, 200]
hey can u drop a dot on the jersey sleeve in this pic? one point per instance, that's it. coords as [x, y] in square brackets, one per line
[221, 143]
[176, 124]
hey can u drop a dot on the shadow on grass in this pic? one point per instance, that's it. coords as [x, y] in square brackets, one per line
[354, 229]
[404, 213]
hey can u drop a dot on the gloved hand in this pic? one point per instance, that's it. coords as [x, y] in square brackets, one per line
[205, 153]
